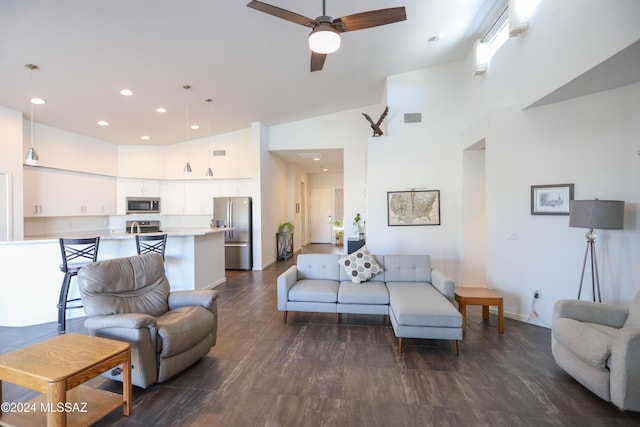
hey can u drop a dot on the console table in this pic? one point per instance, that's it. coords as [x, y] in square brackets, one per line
[57, 368]
[284, 245]
[354, 244]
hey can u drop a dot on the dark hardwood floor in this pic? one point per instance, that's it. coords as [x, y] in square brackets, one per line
[315, 372]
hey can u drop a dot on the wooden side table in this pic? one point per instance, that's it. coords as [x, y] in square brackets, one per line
[57, 368]
[479, 296]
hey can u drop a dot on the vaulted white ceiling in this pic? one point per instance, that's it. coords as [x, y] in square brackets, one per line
[254, 67]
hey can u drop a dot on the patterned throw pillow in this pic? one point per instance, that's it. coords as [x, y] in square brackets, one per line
[360, 265]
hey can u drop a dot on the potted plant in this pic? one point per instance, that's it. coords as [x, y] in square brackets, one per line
[339, 229]
[286, 227]
[359, 223]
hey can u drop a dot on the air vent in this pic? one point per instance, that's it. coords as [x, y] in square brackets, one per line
[413, 117]
[218, 153]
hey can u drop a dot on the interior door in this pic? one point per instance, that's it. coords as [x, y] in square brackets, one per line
[320, 215]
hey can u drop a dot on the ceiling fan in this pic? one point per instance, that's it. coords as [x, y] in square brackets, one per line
[325, 37]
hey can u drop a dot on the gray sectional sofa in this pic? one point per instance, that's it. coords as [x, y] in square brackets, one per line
[418, 300]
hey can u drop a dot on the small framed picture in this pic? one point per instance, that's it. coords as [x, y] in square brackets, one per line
[551, 199]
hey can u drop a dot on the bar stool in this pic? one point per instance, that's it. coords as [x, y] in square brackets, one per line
[151, 243]
[76, 253]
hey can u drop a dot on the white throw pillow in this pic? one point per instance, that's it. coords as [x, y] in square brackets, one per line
[360, 265]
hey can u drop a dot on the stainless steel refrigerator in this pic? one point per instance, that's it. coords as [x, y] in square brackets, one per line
[235, 212]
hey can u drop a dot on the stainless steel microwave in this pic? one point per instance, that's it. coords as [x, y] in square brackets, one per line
[143, 205]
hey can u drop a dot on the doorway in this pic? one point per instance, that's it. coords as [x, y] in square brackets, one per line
[474, 244]
[320, 215]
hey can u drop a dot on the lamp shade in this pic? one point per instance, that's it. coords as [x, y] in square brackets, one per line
[601, 214]
[32, 157]
[324, 39]
[187, 169]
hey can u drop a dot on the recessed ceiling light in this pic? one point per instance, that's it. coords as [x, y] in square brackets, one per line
[161, 110]
[38, 101]
[317, 159]
[324, 169]
[195, 127]
[145, 137]
[126, 92]
[103, 123]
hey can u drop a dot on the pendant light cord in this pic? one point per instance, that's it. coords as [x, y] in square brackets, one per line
[31, 103]
[208, 101]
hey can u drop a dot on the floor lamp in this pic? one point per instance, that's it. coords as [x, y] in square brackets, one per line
[602, 214]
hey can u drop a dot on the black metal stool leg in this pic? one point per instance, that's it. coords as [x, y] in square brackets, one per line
[62, 303]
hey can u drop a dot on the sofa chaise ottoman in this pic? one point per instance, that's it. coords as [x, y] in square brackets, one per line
[418, 300]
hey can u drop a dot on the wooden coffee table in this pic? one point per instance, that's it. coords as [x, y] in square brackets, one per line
[479, 296]
[57, 368]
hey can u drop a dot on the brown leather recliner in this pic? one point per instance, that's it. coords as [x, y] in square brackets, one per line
[128, 299]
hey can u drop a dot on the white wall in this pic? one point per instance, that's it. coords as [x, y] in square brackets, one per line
[473, 239]
[142, 161]
[347, 130]
[274, 198]
[295, 177]
[237, 163]
[11, 165]
[584, 141]
[421, 156]
[62, 149]
[590, 141]
[401, 164]
[564, 40]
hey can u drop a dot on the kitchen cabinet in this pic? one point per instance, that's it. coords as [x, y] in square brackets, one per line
[52, 192]
[172, 197]
[199, 198]
[188, 197]
[98, 195]
[43, 192]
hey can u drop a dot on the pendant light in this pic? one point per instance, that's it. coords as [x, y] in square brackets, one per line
[187, 166]
[32, 157]
[209, 171]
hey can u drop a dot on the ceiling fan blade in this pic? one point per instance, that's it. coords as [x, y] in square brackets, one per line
[317, 61]
[373, 18]
[282, 13]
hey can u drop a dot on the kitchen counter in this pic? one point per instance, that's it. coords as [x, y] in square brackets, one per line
[115, 234]
[194, 259]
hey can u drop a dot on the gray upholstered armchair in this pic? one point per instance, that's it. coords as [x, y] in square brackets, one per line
[128, 299]
[599, 345]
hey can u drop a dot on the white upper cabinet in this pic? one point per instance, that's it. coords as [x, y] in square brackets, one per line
[51, 192]
[188, 197]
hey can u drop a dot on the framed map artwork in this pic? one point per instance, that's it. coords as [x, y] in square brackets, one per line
[413, 207]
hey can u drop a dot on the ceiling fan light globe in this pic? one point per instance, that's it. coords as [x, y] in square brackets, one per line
[324, 39]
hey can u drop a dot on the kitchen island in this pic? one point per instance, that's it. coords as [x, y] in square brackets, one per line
[31, 278]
